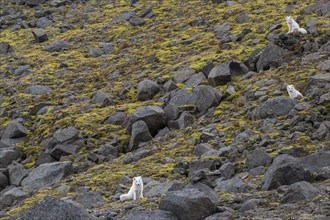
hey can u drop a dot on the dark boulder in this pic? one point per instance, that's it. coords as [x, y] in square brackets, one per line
[16, 174]
[272, 56]
[207, 97]
[57, 46]
[150, 215]
[37, 90]
[7, 156]
[146, 90]
[187, 204]
[257, 158]
[140, 133]
[39, 35]
[12, 197]
[274, 107]
[300, 191]
[220, 75]
[52, 208]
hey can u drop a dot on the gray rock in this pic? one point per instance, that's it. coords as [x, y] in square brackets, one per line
[15, 129]
[188, 204]
[3, 181]
[16, 174]
[146, 90]
[196, 80]
[102, 98]
[46, 174]
[150, 215]
[233, 185]
[274, 107]
[23, 70]
[52, 208]
[153, 116]
[136, 21]
[63, 150]
[202, 164]
[222, 31]
[65, 136]
[284, 171]
[257, 171]
[207, 190]
[183, 97]
[39, 35]
[207, 97]
[44, 158]
[7, 156]
[207, 68]
[163, 188]
[243, 17]
[186, 119]
[107, 150]
[272, 56]
[170, 85]
[257, 158]
[57, 46]
[220, 216]
[220, 75]
[117, 118]
[183, 75]
[90, 200]
[107, 48]
[137, 155]
[251, 204]
[318, 163]
[322, 132]
[171, 112]
[300, 191]
[125, 16]
[12, 197]
[140, 133]
[227, 170]
[5, 48]
[37, 90]
[200, 149]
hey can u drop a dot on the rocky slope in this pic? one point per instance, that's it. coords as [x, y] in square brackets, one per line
[190, 95]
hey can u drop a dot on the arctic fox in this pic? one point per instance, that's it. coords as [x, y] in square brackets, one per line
[136, 190]
[293, 93]
[293, 25]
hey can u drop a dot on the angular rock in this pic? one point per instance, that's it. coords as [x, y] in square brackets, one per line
[233, 185]
[12, 197]
[318, 163]
[39, 35]
[44, 158]
[207, 69]
[5, 48]
[172, 112]
[57, 46]
[220, 75]
[46, 174]
[15, 129]
[183, 97]
[186, 119]
[227, 170]
[3, 181]
[37, 90]
[183, 75]
[196, 80]
[200, 149]
[107, 150]
[16, 174]
[63, 150]
[251, 204]
[274, 107]
[23, 70]
[243, 17]
[140, 133]
[52, 208]
[146, 90]
[150, 215]
[322, 132]
[90, 200]
[170, 85]
[207, 97]
[257, 158]
[207, 190]
[68, 135]
[7, 156]
[284, 171]
[300, 191]
[102, 98]
[202, 164]
[163, 188]
[272, 56]
[188, 204]
[117, 118]
[153, 116]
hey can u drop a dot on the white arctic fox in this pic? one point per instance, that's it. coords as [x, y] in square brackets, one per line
[293, 25]
[136, 190]
[293, 93]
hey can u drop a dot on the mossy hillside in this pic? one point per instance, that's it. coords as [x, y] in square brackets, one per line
[133, 45]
